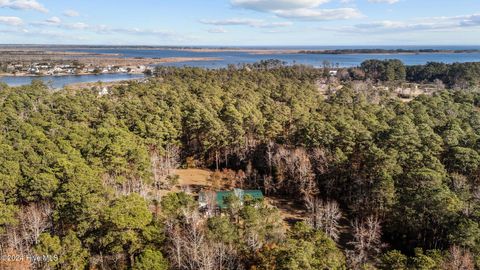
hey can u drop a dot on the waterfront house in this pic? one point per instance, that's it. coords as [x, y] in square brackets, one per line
[33, 70]
[10, 68]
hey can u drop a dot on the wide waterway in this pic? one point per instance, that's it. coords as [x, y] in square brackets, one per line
[244, 57]
[239, 57]
[61, 81]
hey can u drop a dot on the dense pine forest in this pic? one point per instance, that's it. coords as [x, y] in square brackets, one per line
[385, 184]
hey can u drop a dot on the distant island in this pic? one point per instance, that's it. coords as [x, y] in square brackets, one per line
[385, 51]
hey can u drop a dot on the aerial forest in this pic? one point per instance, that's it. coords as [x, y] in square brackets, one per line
[385, 183]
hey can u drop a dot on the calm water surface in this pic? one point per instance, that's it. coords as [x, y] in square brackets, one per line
[61, 81]
[238, 58]
[350, 60]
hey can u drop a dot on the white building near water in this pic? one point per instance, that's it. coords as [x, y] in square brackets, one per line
[103, 92]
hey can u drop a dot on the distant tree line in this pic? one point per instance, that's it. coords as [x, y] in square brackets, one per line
[383, 51]
[456, 75]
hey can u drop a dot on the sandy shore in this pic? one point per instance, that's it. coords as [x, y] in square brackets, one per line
[188, 59]
[131, 61]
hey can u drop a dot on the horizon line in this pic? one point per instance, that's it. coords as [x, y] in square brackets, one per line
[231, 46]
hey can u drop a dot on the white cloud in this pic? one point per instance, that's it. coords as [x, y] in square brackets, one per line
[57, 23]
[71, 13]
[138, 31]
[14, 21]
[49, 36]
[247, 22]
[384, 1]
[320, 14]
[53, 20]
[273, 5]
[299, 9]
[470, 20]
[420, 24]
[218, 30]
[57, 30]
[434, 23]
[76, 26]
[23, 5]
[98, 29]
[104, 29]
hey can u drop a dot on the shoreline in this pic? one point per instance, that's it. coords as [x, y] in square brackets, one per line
[319, 51]
[187, 59]
[251, 51]
[128, 61]
[3, 75]
[324, 52]
[386, 52]
[87, 82]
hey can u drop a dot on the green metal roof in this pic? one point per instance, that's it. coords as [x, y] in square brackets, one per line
[221, 195]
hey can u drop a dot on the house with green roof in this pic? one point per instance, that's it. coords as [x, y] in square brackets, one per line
[219, 198]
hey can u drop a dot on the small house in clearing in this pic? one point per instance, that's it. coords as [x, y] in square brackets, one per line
[218, 199]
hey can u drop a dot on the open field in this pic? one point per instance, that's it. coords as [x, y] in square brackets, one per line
[193, 177]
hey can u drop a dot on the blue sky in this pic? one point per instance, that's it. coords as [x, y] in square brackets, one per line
[241, 22]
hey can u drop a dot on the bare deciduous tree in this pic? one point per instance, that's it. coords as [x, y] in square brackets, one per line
[295, 173]
[366, 241]
[459, 259]
[268, 185]
[175, 244]
[164, 164]
[34, 219]
[326, 216]
[189, 247]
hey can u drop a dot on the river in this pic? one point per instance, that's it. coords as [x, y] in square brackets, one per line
[61, 81]
[242, 57]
